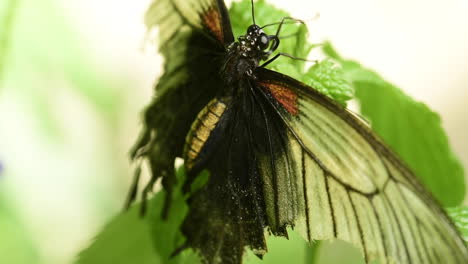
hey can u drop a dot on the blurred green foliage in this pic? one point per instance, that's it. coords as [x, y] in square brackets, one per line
[17, 244]
[62, 151]
[7, 16]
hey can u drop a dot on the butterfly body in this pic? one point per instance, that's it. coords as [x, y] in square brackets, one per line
[279, 153]
[241, 59]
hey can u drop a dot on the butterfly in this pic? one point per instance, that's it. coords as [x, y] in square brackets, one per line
[279, 153]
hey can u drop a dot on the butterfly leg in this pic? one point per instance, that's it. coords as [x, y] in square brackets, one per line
[278, 30]
[275, 38]
[276, 41]
[286, 55]
[290, 35]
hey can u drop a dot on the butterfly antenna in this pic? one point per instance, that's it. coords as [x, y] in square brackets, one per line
[253, 12]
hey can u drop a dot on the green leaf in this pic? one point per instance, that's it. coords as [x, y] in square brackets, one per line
[410, 128]
[459, 216]
[337, 251]
[165, 234]
[281, 250]
[130, 238]
[125, 239]
[327, 77]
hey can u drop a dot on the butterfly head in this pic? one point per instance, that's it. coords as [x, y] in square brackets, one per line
[249, 49]
[258, 38]
[255, 43]
[255, 34]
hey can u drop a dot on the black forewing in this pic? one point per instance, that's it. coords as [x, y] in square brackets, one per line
[192, 37]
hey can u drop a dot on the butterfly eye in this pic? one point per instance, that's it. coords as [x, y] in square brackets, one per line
[263, 41]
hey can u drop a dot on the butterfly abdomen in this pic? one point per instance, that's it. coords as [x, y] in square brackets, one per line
[202, 132]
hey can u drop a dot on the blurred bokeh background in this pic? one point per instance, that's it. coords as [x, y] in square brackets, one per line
[75, 75]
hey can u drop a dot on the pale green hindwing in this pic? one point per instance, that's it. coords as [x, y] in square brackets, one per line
[348, 185]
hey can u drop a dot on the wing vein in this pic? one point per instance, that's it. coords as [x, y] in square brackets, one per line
[381, 231]
[392, 210]
[405, 216]
[332, 211]
[306, 200]
[311, 154]
[361, 233]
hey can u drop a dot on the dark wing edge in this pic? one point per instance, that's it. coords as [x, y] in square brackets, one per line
[352, 187]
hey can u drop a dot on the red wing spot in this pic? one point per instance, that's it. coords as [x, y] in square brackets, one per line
[285, 96]
[212, 20]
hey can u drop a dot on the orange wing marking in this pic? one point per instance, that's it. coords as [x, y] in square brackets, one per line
[286, 97]
[212, 20]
